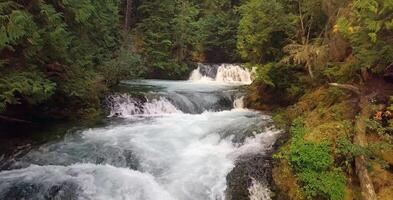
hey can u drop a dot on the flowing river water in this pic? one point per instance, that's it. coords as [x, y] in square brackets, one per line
[164, 140]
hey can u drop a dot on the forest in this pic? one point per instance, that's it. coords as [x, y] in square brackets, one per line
[324, 68]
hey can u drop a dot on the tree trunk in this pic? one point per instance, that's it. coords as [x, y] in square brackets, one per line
[366, 184]
[310, 72]
[127, 20]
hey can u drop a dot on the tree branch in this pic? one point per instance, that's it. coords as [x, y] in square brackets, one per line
[10, 119]
[349, 87]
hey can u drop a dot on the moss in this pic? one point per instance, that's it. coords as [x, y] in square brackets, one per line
[319, 119]
[387, 155]
[383, 181]
[330, 131]
[313, 163]
[286, 182]
[281, 120]
[322, 97]
[385, 193]
[337, 112]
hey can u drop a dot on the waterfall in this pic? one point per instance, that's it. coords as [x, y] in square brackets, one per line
[197, 76]
[239, 103]
[222, 73]
[123, 105]
[259, 191]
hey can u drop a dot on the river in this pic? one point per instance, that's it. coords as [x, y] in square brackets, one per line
[162, 140]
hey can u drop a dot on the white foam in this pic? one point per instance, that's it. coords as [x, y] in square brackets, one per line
[259, 191]
[178, 156]
[123, 105]
[239, 103]
[230, 73]
[197, 76]
[189, 156]
[226, 73]
[100, 182]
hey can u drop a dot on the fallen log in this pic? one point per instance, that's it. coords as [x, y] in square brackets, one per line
[366, 184]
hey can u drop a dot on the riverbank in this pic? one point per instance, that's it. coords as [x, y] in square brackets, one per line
[318, 159]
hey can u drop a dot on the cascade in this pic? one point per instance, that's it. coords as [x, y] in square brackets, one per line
[222, 73]
[169, 140]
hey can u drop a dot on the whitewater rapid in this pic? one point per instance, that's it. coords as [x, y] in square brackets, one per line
[222, 73]
[176, 140]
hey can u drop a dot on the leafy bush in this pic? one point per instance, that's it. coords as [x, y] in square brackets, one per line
[124, 66]
[29, 86]
[311, 156]
[314, 164]
[67, 40]
[328, 184]
[298, 130]
[350, 150]
[369, 32]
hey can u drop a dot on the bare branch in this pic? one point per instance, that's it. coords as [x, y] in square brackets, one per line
[10, 119]
[349, 87]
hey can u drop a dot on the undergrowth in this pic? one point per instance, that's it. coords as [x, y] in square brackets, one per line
[314, 164]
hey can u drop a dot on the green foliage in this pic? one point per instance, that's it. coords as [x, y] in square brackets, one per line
[311, 156]
[16, 25]
[281, 80]
[69, 41]
[280, 120]
[314, 164]
[22, 85]
[167, 32]
[217, 33]
[369, 31]
[342, 73]
[350, 150]
[124, 66]
[298, 130]
[376, 127]
[328, 184]
[262, 30]
[312, 55]
[170, 35]
[263, 74]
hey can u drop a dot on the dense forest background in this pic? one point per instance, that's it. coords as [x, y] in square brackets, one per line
[58, 58]
[324, 66]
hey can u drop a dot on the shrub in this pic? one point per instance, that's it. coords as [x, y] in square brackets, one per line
[29, 86]
[311, 156]
[314, 164]
[328, 184]
[298, 130]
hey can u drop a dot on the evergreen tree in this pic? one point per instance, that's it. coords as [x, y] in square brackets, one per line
[52, 49]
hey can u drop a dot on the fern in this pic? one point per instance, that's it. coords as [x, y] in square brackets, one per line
[7, 6]
[29, 86]
[67, 51]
